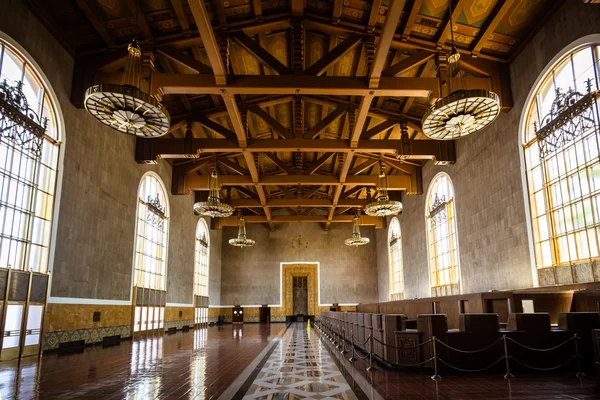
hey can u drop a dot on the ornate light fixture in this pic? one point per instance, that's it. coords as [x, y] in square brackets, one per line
[462, 112]
[356, 239]
[383, 206]
[241, 240]
[125, 107]
[213, 206]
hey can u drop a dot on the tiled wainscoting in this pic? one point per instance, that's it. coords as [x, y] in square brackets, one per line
[179, 324]
[90, 336]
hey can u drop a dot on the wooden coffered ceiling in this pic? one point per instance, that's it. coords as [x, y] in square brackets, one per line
[295, 102]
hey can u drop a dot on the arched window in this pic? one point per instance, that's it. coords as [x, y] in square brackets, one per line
[561, 142]
[396, 268]
[28, 165]
[150, 265]
[442, 241]
[201, 272]
[30, 138]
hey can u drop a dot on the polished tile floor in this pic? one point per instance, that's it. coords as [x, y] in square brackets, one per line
[300, 368]
[198, 364]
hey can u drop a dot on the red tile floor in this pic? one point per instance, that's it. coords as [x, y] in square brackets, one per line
[202, 364]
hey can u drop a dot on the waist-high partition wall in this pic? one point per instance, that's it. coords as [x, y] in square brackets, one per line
[23, 306]
[148, 311]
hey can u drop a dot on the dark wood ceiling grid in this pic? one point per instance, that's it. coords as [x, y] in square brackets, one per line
[295, 102]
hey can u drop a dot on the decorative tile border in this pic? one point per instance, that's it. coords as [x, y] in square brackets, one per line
[179, 324]
[278, 318]
[249, 319]
[91, 335]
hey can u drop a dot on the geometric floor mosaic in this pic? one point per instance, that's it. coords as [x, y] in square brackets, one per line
[300, 368]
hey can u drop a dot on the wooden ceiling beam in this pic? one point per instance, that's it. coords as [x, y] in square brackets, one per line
[312, 192]
[373, 15]
[416, 60]
[272, 122]
[257, 8]
[339, 51]
[282, 165]
[445, 28]
[337, 11]
[484, 34]
[314, 132]
[286, 192]
[235, 167]
[217, 128]
[385, 40]
[295, 202]
[318, 163]
[247, 192]
[362, 167]
[209, 41]
[149, 150]
[185, 60]
[366, 220]
[350, 192]
[202, 182]
[96, 23]
[181, 17]
[203, 84]
[261, 54]
[412, 17]
[380, 128]
[140, 18]
[383, 47]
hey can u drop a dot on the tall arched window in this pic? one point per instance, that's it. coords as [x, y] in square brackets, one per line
[201, 272]
[150, 265]
[28, 166]
[561, 140]
[442, 241]
[29, 152]
[395, 255]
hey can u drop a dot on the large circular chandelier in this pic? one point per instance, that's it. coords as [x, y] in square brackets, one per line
[125, 107]
[462, 112]
[213, 206]
[356, 240]
[242, 240]
[383, 206]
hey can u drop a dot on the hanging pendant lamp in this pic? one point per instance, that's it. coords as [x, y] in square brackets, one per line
[463, 111]
[213, 206]
[356, 239]
[242, 240]
[383, 206]
[125, 107]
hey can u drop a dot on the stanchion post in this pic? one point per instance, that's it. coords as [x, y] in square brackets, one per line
[352, 359]
[344, 342]
[508, 375]
[339, 342]
[371, 367]
[436, 376]
[579, 374]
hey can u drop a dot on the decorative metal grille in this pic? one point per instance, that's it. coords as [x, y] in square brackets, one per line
[571, 115]
[18, 122]
[156, 212]
[438, 213]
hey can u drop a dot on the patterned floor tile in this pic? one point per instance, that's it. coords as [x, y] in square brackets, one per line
[300, 368]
